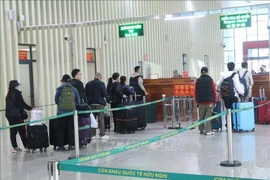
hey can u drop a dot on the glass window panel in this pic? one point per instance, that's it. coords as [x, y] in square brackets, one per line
[263, 52]
[255, 66]
[240, 32]
[263, 17]
[228, 56]
[263, 37]
[239, 42]
[229, 43]
[228, 33]
[252, 38]
[262, 28]
[253, 53]
[253, 11]
[252, 31]
[238, 56]
[238, 65]
[262, 11]
[254, 18]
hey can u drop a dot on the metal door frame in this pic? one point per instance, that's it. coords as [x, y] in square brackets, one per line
[31, 73]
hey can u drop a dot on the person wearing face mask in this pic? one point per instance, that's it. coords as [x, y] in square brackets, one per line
[14, 105]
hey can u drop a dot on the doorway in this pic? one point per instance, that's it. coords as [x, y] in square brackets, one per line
[91, 62]
[27, 56]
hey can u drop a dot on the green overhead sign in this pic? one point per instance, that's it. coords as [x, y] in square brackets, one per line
[130, 30]
[235, 21]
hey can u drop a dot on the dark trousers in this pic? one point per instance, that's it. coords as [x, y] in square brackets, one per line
[228, 105]
[114, 116]
[100, 119]
[64, 131]
[21, 130]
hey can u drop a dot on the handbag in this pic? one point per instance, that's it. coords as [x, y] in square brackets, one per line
[94, 123]
[24, 114]
[36, 114]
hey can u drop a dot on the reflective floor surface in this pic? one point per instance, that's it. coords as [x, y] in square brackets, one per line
[187, 152]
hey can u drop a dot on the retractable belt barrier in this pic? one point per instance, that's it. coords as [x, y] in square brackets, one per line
[75, 164]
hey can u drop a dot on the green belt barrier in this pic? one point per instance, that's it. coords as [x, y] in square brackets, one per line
[125, 107]
[142, 173]
[149, 141]
[36, 106]
[37, 121]
[72, 165]
[138, 144]
[82, 112]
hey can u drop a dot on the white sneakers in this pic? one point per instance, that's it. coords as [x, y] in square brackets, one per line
[101, 137]
[210, 133]
[104, 137]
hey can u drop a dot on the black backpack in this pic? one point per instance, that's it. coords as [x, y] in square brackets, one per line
[227, 88]
[244, 82]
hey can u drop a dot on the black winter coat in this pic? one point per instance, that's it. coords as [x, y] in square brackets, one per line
[14, 103]
[116, 93]
[80, 87]
[96, 92]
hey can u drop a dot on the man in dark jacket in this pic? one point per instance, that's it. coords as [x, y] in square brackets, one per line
[205, 97]
[78, 84]
[96, 92]
[136, 81]
[116, 95]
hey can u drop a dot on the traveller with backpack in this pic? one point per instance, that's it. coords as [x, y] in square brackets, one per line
[247, 80]
[229, 86]
[66, 97]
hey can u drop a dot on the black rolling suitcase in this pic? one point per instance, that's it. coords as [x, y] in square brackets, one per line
[141, 115]
[37, 137]
[126, 120]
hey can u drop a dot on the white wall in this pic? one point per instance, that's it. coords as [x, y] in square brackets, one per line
[53, 55]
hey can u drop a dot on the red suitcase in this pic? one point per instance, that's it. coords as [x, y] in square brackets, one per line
[264, 113]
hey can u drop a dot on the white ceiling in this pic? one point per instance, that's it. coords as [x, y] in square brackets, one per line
[227, 3]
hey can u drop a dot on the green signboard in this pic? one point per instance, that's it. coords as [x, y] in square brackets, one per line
[130, 30]
[235, 21]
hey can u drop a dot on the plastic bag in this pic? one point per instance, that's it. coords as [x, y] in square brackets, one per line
[36, 114]
[94, 123]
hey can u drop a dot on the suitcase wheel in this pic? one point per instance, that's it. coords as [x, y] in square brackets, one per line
[143, 128]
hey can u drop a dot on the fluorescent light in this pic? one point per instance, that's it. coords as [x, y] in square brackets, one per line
[169, 17]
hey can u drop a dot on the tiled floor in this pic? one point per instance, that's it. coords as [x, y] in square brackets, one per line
[187, 152]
